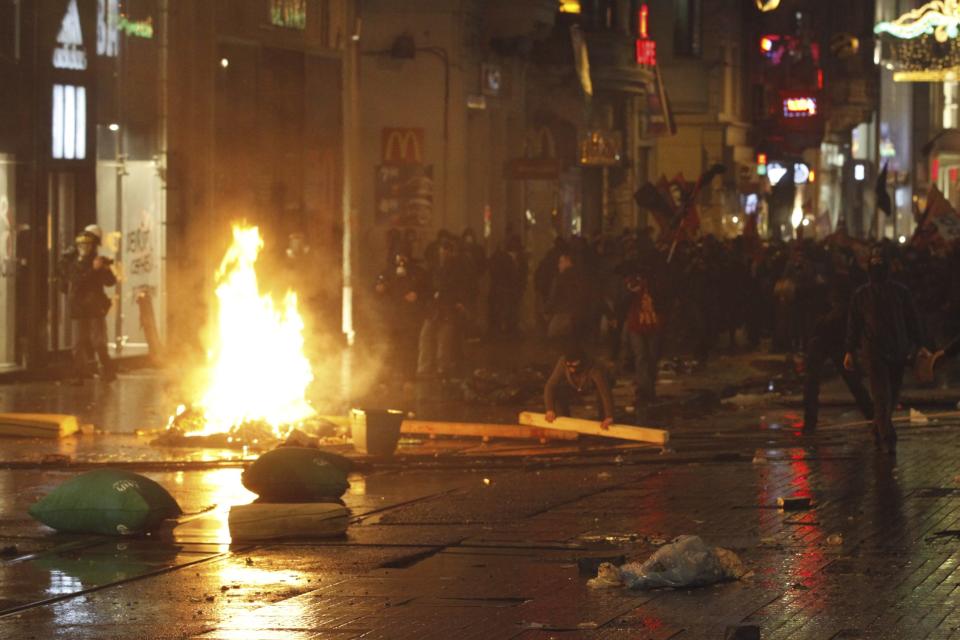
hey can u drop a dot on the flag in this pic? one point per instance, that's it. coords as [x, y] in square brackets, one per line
[650, 198]
[581, 59]
[883, 197]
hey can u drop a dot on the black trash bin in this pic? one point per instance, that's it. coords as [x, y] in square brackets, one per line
[375, 431]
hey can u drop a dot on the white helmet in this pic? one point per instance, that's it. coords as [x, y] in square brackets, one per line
[94, 230]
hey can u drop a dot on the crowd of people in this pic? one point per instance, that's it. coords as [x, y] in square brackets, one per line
[627, 299]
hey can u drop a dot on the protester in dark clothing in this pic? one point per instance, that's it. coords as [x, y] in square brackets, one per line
[84, 274]
[441, 333]
[827, 343]
[400, 291]
[575, 376]
[508, 280]
[884, 326]
[568, 304]
[543, 279]
[641, 338]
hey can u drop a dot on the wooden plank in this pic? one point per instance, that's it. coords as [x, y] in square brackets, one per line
[37, 425]
[592, 428]
[480, 430]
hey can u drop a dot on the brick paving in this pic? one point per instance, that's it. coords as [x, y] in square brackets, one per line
[488, 551]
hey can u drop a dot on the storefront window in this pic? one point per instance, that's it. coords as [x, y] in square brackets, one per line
[8, 262]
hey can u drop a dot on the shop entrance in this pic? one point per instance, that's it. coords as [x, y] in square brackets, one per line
[61, 230]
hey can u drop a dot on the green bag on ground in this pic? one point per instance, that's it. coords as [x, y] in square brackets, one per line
[107, 501]
[297, 474]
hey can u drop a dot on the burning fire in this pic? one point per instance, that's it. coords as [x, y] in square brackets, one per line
[257, 372]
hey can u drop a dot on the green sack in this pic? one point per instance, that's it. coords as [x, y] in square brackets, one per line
[106, 501]
[297, 474]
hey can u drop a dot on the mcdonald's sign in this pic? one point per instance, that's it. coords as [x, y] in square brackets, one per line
[539, 160]
[539, 144]
[401, 146]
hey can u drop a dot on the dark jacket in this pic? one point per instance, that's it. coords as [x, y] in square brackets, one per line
[581, 383]
[84, 287]
[883, 320]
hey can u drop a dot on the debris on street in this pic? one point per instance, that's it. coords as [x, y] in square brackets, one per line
[273, 521]
[594, 428]
[685, 562]
[106, 501]
[37, 425]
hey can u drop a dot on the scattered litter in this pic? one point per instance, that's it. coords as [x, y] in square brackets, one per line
[587, 625]
[589, 565]
[486, 482]
[794, 503]
[918, 417]
[685, 562]
[604, 475]
[835, 539]
[746, 399]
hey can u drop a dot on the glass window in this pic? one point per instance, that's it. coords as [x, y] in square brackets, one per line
[686, 27]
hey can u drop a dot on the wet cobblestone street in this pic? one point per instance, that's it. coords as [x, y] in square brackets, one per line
[451, 544]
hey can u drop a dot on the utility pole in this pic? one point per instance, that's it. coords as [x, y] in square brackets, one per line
[351, 126]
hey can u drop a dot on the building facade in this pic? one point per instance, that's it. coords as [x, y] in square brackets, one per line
[163, 123]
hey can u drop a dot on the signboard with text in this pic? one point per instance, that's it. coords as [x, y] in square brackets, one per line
[403, 183]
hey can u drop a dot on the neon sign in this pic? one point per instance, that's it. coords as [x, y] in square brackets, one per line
[801, 107]
[939, 18]
[646, 52]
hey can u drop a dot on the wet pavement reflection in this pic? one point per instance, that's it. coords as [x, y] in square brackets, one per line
[477, 548]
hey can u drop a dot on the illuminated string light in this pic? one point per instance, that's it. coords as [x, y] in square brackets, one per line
[939, 18]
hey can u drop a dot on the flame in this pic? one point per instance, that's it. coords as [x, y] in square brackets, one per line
[258, 371]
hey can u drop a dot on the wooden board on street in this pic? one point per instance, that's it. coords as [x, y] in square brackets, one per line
[37, 425]
[592, 428]
[479, 430]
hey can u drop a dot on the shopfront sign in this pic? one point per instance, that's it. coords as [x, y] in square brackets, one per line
[646, 48]
[799, 107]
[601, 148]
[539, 160]
[404, 184]
[69, 53]
[401, 145]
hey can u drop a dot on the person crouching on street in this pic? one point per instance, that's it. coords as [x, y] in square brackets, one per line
[574, 377]
[85, 275]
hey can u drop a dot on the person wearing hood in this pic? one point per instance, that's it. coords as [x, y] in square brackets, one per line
[83, 277]
[884, 331]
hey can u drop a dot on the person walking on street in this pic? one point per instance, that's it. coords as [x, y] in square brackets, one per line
[827, 343]
[883, 327]
[84, 275]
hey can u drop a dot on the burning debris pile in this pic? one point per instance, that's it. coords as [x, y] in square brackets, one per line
[257, 374]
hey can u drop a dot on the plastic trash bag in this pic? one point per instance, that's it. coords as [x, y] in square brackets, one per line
[685, 562]
[106, 501]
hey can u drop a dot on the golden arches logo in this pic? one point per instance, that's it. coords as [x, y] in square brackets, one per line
[539, 143]
[403, 146]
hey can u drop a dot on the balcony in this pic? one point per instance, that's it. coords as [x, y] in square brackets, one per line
[613, 64]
